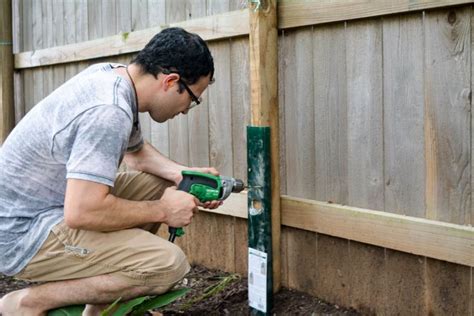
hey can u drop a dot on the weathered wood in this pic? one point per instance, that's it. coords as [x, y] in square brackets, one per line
[405, 278]
[38, 43]
[198, 118]
[447, 114]
[282, 51]
[367, 279]
[220, 120]
[294, 13]
[7, 118]
[178, 127]
[240, 102]
[448, 288]
[403, 115]
[330, 114]
[214, 27]
[365, 115]
[264, 106]
[299, 114]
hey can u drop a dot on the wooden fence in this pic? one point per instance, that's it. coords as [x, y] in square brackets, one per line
[376, 129]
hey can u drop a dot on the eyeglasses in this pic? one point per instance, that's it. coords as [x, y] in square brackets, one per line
[195, 100]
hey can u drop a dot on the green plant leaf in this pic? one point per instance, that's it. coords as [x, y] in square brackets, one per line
[127, 307]
[158, 301]
[74, 310]
[107, 311]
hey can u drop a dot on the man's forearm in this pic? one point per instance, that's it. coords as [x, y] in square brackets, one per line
[150, 160]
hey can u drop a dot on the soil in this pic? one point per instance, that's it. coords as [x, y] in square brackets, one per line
[228, 299]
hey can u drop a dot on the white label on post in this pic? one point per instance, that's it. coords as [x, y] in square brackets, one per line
[258, 280]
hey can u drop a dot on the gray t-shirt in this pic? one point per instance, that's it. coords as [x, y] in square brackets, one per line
[80, 131]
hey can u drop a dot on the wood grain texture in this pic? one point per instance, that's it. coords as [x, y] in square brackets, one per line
[365, 115]
[38, 43]
[434, 239]
[293, 13]
[299, 114]
[240, 102]
[178, 127]
[7, 115]
[263, 53]
[404, 115]
[302, 255]
[198, 118]
[282, 61]
[219, 26]
[220, 111]
[367, 280]
[405, 278]
[447, 115]
[448, 288]
[330, 114]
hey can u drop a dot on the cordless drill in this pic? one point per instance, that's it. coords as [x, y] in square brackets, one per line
[206, 187]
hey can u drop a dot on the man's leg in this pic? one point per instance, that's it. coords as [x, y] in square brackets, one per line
[139, 258]
[101, 289]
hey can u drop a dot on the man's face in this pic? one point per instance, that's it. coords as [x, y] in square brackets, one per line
[171, 102]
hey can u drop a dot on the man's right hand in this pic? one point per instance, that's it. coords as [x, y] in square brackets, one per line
[179, 207]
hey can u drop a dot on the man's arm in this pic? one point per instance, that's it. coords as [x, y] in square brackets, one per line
[89, 205]
[150, 160]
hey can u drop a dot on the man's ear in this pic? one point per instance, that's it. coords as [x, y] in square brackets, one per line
[170, 80]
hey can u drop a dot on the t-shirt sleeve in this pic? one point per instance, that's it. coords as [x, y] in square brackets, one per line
[98, 138]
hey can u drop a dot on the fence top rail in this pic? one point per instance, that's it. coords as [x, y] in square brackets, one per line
[219, 26]
[291, 13]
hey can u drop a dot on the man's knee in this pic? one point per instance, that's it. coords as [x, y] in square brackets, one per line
[164, 277]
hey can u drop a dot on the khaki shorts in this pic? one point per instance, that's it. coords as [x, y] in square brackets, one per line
[137, 254]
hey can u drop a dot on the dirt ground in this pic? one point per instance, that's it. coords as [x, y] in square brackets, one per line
[218, 293]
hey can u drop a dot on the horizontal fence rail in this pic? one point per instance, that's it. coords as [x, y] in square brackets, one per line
[231, 24]
[210, 28]
[419, 236]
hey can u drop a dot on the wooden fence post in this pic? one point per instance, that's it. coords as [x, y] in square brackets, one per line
[264, 110]
[6, 70]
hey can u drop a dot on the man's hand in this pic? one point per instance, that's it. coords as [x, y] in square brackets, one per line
[179, 207]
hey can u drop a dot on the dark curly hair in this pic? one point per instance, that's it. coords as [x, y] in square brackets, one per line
[174, 50]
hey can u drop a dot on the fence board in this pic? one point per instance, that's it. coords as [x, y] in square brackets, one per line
[94, 19]
[299, 113]
[178, 127]
[220, 120]
[330, 115]
[405, 278]
[472, 136]
[448, 288]
[240, 102]
[447, 118]
[38, 43]
[58, 39]
[281, 103]
[198, 118]
[365, 142]
[156, 12]
[47, 21]
[124, 16]
[403, 115]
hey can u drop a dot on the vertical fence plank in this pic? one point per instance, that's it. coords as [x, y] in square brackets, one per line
[27, 26]
[447, 118]
[240, 99]
[364, 77]
[58, 39]
[70, 32]
[6, 70]
[178, 127]
[404, 154]
[281, 103]
[38, 43]
[365, 153]
[330, 117]
[19, 99]
[220, 121]
[198, 118]
[447, 143]
[94, 9]
[124, 16]
[47, 21]
[299, 113]
[158, 131]
[403, 115]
